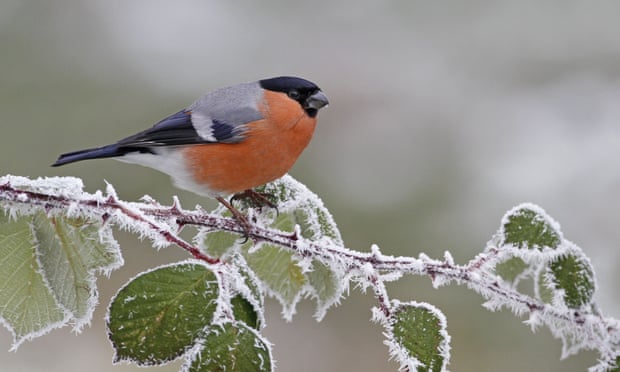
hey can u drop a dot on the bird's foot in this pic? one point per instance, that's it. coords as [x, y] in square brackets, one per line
[255, 199]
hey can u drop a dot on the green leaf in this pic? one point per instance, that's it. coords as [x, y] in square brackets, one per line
[304, 209]
[47, 271]
[326, 285]
[510, 269]
[315, 222]
[232, 347]
[528, 227]
[256, 294]
[299, 206]
[418, 333]
[160, 314]
[249, 303]
[27, 307]
[217, 243]
[244, 311]
[70, 251]
[545, 291]
[574, 275]
[284, 222]
[277, 269]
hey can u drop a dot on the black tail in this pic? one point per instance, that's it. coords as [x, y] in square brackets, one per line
[108, 151]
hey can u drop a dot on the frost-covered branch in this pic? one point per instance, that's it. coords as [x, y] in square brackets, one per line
[128, 214]
[295, 253]
[476, 275]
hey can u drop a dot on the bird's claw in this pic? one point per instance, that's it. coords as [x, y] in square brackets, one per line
[255, 199]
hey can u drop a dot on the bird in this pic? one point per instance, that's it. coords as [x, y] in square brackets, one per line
[228, 142]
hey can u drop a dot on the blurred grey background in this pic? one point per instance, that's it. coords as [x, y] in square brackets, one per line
[442, 117]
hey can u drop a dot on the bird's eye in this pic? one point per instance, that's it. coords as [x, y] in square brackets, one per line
[294, 94]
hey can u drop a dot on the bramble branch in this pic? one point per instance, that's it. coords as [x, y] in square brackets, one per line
[104, 208]
[369, 269]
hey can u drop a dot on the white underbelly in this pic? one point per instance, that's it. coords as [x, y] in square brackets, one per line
[170, 161]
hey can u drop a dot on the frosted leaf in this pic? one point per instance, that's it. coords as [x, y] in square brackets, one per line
[283, 274]
[248, 287]
[309, 212]
[218, 243]
[232, 347]
[28, 307]
[160, 314]
[68, 252]
[512, 270]
[525, 246]
[279, 274]
[71, 251]
[243, 311]
[527, 226]
[325, 287]
[416, 334]
[296, 205]
[572, 277]
[530, 245]
[528, 233]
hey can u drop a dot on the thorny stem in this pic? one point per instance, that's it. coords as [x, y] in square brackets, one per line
[598, 328]
[381, 295]
[168, 235]
[50, 202]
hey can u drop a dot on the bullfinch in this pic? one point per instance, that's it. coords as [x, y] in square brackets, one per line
[229, 141]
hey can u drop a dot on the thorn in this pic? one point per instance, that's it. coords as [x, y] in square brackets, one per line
[448, 259]
[105, 217]
[176, 205]
[374, 249]
[296, 233]
[148, 199]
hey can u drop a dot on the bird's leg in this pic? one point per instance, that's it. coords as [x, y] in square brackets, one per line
[256, 199]
[243, 221]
